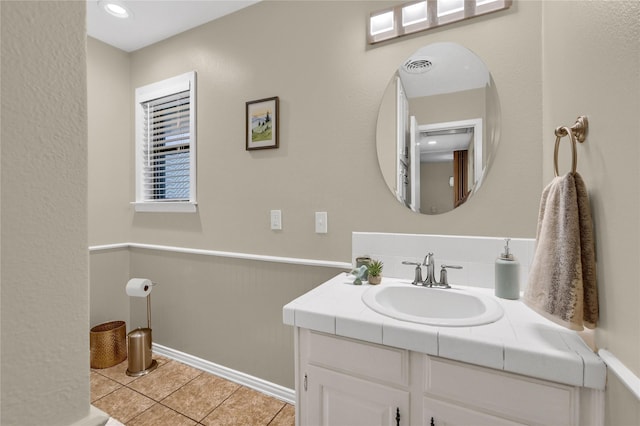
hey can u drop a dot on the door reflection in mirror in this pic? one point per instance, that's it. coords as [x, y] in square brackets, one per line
[438, 119]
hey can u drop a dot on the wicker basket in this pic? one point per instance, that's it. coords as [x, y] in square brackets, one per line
[108, 344]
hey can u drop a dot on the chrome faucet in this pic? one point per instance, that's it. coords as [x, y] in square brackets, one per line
[429, 262]
[430, 280]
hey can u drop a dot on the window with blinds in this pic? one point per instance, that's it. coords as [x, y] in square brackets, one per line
[166, 148]
[165, 160]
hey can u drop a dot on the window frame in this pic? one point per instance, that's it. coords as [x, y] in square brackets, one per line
[167, 87]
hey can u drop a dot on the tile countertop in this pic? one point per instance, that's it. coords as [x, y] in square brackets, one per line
[521, 342]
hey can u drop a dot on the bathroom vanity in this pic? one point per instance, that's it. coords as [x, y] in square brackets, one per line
[355, 366]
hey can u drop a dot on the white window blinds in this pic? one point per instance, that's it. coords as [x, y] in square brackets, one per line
[166, 145]
[167, 141]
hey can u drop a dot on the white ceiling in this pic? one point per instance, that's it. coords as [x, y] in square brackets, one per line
[443, 149]
[155, 20]
[454, 68]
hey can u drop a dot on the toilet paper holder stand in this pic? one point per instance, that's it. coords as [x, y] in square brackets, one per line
[149, 306]
[139, 343]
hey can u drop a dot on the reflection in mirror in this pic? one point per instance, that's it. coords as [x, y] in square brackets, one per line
[437, 128]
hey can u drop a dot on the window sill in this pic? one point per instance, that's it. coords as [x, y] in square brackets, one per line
[167, 207]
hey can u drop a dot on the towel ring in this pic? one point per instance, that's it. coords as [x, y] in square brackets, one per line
[576, 133]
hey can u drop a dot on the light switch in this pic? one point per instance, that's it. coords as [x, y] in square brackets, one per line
[276, 220]
[321, 223]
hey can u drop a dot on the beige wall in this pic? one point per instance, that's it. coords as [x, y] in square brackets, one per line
[44, 264]
[334, 76]
[449, 106]
[592, 69]
[111, 154]
[470, 104]
[228, 311]
[110, 271]
[109, 100]
[330, 85]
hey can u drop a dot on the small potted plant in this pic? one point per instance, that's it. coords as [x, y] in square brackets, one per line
[374, 270]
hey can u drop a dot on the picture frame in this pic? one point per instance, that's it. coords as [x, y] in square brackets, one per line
[262, 118]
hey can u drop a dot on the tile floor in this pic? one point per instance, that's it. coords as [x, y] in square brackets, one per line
[177, 394]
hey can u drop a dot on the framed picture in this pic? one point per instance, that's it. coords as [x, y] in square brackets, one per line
[262, 124]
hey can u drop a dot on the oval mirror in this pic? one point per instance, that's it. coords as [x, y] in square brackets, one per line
[438, 128]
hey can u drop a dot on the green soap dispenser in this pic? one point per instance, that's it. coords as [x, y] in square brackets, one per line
[507, 285]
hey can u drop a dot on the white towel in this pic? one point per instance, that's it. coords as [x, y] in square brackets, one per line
[562, 280]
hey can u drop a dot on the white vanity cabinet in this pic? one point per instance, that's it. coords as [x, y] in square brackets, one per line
[461, 394]
[348, 382]
[334, 398]
[341, 381]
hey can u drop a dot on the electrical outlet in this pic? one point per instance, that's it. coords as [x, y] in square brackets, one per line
[276, 220]
[321, 223]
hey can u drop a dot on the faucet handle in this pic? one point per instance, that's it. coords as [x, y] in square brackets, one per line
[444, 281]
[417, 278]
[451, 266]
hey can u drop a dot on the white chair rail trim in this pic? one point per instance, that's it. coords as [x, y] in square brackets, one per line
[234, 255]
[626, 376]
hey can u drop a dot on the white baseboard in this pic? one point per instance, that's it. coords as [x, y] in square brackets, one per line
[268, 388]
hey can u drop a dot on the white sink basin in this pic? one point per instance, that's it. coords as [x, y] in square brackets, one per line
[433, 306]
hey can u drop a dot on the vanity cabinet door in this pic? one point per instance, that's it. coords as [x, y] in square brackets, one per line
[439, 413]
[505, 395]
[334, 399]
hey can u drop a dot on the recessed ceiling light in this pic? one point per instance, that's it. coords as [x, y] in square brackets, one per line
[115, 8]
[432, 142]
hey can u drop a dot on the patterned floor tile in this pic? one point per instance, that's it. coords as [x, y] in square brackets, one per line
[102, 386]
[117, 373]
[124, 404]
[244, 407]
[176, 394]
[199, 397]
[286, 417]
[161, 415]
[165, 380]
